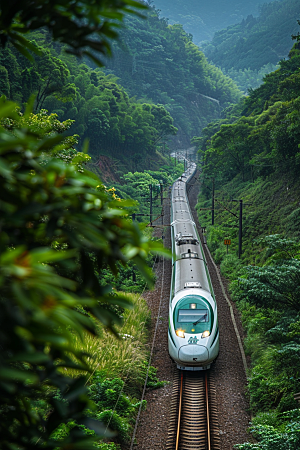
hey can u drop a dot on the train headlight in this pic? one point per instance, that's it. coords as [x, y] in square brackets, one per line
[205, 334]
[180, 333]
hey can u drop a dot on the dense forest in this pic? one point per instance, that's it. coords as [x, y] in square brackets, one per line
[162, 77]
[71, 249]
[203, 19]
[248, 50]
[159, 62]
[259, 135]
[97, 107]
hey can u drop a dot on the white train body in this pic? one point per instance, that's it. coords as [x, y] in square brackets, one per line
[193, 335]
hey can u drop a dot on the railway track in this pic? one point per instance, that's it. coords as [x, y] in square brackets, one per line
[193, 423]
[193, 419]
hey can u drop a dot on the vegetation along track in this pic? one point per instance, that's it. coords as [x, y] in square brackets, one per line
[193, 413]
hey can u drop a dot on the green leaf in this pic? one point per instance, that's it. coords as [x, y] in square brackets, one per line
[33, 358]
[22, 50]
[17, 375]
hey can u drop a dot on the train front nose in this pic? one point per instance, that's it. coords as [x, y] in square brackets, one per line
[193, 354]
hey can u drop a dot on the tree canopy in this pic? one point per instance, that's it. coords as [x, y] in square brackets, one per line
[86, 28]
[159, 63]
[260, 135]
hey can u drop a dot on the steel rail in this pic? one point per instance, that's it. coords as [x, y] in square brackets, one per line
[207, 413]
[179, 411]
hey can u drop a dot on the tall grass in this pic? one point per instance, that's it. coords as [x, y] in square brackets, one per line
[121, 357]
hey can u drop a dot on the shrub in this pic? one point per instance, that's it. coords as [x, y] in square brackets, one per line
[231, 266]
[117, 423]
[266, 418]
[109, 393]
[264, 390]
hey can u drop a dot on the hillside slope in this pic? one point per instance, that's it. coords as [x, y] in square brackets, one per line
[255, 42]
[158, 62]
[202, 19]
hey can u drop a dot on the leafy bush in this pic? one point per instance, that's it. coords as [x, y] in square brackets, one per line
[265, 390]
[109, 392]
[152, 382]
[215, 237]
[117, 423]
[231, 266]
[267, 418]
[285, 435]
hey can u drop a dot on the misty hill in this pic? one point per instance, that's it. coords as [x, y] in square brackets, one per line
[203, 18]
[249, 50]
[255, 42]
[158, 62]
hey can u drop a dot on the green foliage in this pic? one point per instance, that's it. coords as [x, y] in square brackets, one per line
[248, 79]
[231, 266]
[159, 62]
[276, 284]
[265, 391]
[137, 187]
[176, 77]
[117, 423]
[263, 138]
[267, 418]
[72, 427]
[152, 381]
[122, 357]
[98, 108]
[52, 219]
[284, 437]
[272, 329]
[74, 24]
[273, 286]
[245, 45]
[128, 278]
[272, 339]
[107, 392]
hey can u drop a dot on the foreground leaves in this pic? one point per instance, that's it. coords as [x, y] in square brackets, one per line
[85, 27]
[57, 227]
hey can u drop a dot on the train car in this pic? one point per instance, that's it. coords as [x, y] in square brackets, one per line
[193, 335]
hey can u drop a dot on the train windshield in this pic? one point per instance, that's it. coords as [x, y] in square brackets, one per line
[193, 315]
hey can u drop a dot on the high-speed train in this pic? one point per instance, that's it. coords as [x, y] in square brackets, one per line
[193, 334]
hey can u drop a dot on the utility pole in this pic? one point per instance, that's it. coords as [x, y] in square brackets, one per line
[241, 225]
[240, 228]
[161, 192]
[213, 203]
[150, 187]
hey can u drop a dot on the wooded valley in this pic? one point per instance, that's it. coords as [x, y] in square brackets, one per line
[85, 139]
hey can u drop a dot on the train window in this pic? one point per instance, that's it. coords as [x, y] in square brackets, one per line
[187, 241]
[189, 254]
[193, 316]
